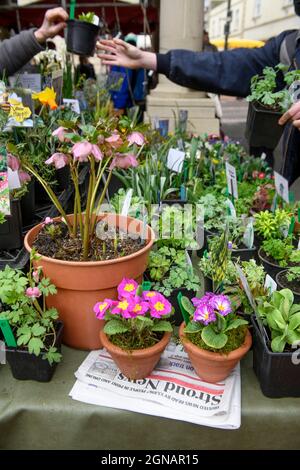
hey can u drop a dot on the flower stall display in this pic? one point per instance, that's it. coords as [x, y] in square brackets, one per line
[36, 328]
[137, 328]
[214, 337]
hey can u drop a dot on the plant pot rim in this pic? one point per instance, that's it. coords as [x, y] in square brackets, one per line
[261, 108]
[264, 343]
[217, 357]
[137, 353]
[76, 21]
[60, 326]
[266, 261]
[146, 248]
[284, 287]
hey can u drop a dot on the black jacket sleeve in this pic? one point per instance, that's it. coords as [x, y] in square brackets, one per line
[17, 51]
[227, 72]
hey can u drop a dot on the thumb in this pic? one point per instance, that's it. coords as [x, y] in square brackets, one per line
[54, 30]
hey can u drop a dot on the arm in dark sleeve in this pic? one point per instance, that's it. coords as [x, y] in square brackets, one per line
[17, 51]
[227, 72]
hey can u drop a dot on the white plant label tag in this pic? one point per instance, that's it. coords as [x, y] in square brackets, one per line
[246, 286]
[72, 104]
[270, 284]
[32, 81]
[13, 179]
[248, 237]
[200, 234]
[298, 245]
[127, 202]
[231, 180]
[282, 187]
[188, 261]
[175, 160]
[231, 208]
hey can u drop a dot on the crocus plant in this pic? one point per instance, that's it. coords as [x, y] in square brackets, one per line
[137, 314]
[103, 147]
[211, 317]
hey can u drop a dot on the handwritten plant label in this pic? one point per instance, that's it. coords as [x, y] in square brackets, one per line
[248, 237]
[127, 202]
[73, 104]
[270, 284]
[175, 160]
[246, 287]
[13, 179]
[232, 184]
[231, 208]
[282, 187]
[32, 81]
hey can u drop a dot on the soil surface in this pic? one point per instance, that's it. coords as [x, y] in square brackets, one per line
[54, 241]
[294, 286]
[273, 261]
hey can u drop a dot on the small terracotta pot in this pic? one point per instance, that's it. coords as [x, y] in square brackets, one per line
[213, 367]
[138, 363]
[80, 285]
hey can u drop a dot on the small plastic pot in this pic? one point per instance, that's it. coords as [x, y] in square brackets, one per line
[173, 300]
[11, 230]
[280, 278]
[262, 128]
[82, 37]
[28, 205]
[271, 268]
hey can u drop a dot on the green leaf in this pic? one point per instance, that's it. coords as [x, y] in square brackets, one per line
[163, 326]
[236, 324]
[275, 320]
[193, 327]
[278, 344]
[38, 330]
[295, 309]
[145, 320]
[213, 339]
[35, 345]
[294, 321]
[114, 327]
[188, 306]
[293, 337]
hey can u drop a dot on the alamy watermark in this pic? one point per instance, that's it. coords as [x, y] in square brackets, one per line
[2, 353]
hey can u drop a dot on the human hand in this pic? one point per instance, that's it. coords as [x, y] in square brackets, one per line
[293, 114]
[122, 54]
[54, 22]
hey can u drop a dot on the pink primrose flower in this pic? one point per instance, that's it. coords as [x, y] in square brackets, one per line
[101, 308]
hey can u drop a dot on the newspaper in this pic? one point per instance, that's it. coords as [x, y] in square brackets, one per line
[173, 390]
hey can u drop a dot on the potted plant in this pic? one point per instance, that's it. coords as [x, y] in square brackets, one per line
[290, 278]
[276, 254]
[36, 329]
[82, 34]
[214, 337]
[170, 274]
[267, 104]
[87, 254]
[275, 344]
[136, 330]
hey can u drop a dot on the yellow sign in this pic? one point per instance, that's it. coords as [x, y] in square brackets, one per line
[18, 111]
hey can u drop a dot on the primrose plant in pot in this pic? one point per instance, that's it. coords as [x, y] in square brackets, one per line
[214, 337]
[83, 33]
[87, 254]
[269, 99]
[137, 328]
[36, 332]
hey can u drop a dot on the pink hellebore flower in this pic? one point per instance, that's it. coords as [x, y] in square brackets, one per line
[35, 275]
[13, 162]
[60, 133]
[114, 140]
[59, 160]
[159, 306]
[124, 161]
[127, 288]
[24, 177]
[101, 307]
[97, 152]
[33, 292]
[136, 138]
[82, 150]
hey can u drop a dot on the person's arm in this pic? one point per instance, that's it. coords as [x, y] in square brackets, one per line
[17, 51]
[227, 72]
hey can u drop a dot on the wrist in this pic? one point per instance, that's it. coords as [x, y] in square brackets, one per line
[149, 61]
[40, 36]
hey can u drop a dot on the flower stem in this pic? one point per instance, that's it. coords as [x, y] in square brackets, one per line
[101, 200]
[86, 232]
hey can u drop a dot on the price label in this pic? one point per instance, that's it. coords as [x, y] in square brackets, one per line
[72, 104]
[282, 187]
[127, 202]
[232, 184]
[246, 286]
[33, 81]
[175, 160]
[270, 284]
[13, 179]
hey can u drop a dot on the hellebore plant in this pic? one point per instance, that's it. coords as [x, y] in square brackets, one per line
[213, 325]
[137, 318]
[103, 148]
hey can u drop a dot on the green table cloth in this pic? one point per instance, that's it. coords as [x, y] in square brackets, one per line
[38, 416]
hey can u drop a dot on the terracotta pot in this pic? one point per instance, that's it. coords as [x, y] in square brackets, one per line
[297, 228]
[138, 363]
[81, 284]
[213, 367]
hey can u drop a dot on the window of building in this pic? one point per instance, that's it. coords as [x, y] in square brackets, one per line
[257, 8]
[236, 20]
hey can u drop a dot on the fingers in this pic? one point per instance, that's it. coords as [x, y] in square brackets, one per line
[54, 30]
[124, 44]
[107, 58]
[106, 48]
[290, 114]
[297, 124]
[285, 118]
[57, 14]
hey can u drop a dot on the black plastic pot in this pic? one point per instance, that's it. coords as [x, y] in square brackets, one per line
[278, 373]
[28, 205]
[114, 185]
[41, 197]
[11, 230]
[262, 128]
[284, 286]
[207, 284]
[245, 254]
[172, 202]
[177, 318]
[63, 178]
[82, 37]
[271, 268]
[25, 366]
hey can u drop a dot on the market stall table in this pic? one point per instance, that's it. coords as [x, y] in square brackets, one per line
[43, 416]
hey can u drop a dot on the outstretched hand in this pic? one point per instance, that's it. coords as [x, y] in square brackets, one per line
[54, 22]
[122, 54]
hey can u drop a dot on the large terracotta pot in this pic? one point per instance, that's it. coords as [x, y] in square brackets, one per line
[138, 363]
[81, 284]
[213, 367]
